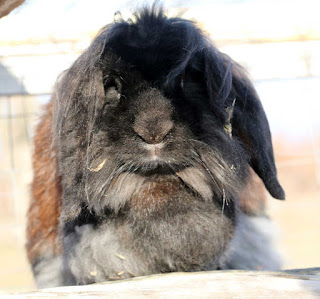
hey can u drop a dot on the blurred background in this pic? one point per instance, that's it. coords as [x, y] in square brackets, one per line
[278, 41]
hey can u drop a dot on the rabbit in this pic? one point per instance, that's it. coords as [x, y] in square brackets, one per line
[144, 157]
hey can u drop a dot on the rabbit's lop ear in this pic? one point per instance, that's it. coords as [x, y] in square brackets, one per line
[251, 125]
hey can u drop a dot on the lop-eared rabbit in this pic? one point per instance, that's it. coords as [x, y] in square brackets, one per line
[147, 160]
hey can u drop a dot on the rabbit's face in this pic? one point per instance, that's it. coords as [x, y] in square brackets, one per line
[144, 132]
[141, 142]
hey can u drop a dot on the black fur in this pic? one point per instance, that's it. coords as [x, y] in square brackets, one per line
[148, 170]
[168, 50]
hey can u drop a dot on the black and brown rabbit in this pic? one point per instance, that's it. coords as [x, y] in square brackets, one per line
[143, 160]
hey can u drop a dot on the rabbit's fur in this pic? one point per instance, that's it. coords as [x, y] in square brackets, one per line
[153, 132]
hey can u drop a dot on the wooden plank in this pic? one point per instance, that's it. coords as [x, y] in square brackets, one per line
[301, 283]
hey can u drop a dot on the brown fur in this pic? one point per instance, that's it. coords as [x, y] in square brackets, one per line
[156, 195]
[46, 198]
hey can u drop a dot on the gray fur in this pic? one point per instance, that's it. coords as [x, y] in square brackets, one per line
[48, 271]
[253, 246]
[101, 254]
[163, 245]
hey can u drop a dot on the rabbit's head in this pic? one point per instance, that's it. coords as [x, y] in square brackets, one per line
[121, 135]
[141, 102]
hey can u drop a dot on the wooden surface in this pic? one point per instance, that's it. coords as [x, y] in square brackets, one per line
[302, 283]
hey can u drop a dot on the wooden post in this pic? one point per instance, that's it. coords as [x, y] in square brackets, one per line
[6, 6]
[302, 283]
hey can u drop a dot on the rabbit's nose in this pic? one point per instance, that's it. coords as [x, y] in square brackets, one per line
[153, 131]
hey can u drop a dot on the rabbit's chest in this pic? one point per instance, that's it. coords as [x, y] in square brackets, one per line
[160, 194]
